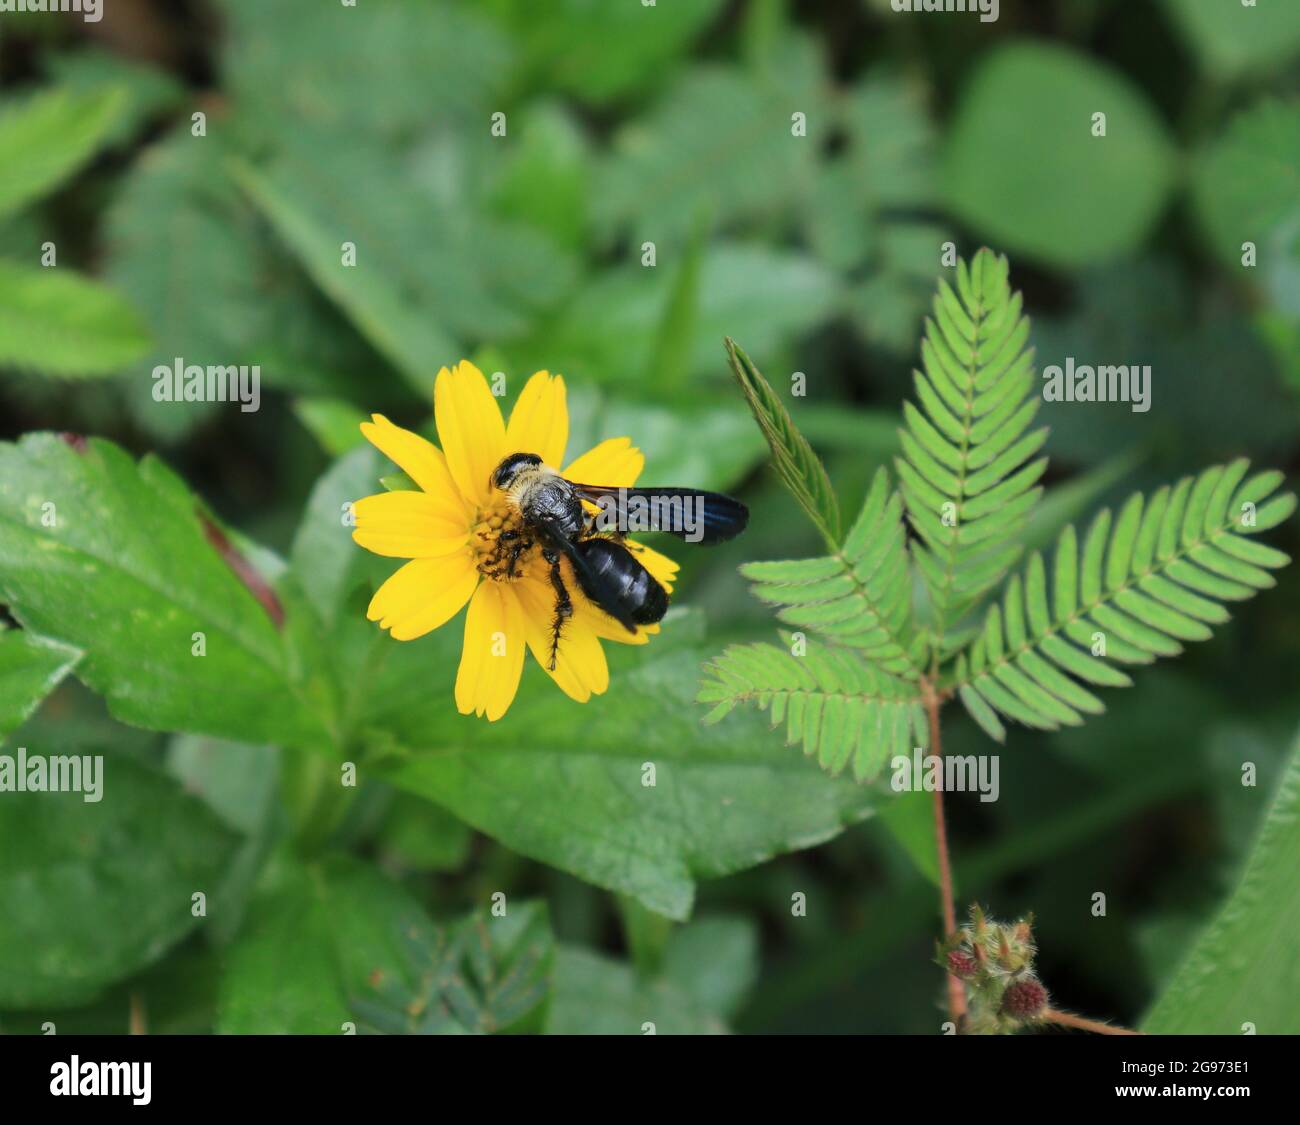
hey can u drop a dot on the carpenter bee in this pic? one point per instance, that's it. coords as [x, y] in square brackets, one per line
[553, 517]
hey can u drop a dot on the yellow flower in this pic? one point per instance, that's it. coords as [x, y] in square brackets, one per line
[450, 531]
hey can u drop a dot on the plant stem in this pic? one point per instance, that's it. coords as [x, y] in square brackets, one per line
[1066, 1019]
[956, 990]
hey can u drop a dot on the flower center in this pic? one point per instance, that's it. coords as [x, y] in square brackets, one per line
[501, 543]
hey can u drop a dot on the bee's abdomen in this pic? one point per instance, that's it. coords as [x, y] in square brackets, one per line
[621, 576]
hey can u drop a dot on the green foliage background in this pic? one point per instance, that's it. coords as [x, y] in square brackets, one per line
[818, 254]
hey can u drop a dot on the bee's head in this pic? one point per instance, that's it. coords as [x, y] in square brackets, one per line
[503, 476]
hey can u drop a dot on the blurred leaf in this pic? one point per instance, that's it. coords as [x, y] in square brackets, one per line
[671, 359]
[1213, 392]
[149, 91]
[337, 943]
[544, 178]
[30, 668]
[474, 277]
[421, 836]
[795, 463]
[1234, 40]
[372, 69]
[601, 51]
[59, 323]
[719, 144]
[909, 817]
[1240, 970]
[130, 573]
[94, 891]
[715, 961]
[368, 294]
[705, 446]
[335, 424]
[607, 333]
[1246, 188]
[184, 246]
[45, 138]
[887, 306]
[1024, 169]
[234, 779]
[596, 995]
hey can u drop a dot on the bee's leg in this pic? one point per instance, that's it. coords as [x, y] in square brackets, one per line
[520, 545]
[563, 603]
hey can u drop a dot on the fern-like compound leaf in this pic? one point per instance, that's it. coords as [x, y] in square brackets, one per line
[860, 596]
[799, 468]
[1141, 584]
[839, 708]
[968, 474]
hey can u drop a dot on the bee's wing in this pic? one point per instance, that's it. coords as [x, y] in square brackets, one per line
[689, 513]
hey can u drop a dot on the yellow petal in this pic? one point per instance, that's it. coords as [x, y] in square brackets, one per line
[580, 668]
[410, 525]
[493, 654]
[662, 569]
[418, 457]
[470, 428]
[424, 594]
[615, 463]
[539, 422]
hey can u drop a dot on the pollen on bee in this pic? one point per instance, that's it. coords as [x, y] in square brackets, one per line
[501, 545]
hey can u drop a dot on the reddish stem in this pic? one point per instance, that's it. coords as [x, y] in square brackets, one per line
[1066, 1019]
[956, 990]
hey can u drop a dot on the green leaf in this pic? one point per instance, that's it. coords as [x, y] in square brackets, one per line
[601, 51]
[596, 995]
[1238, 973]
[477, 277]
[721, 144]
[1154, 577]
[45, 138]
[121, 561]
[965, 474]
[545, 178]
[795, 463]
[1234, 40]
[837, 706]
[185, 246]
[369, 295]
[860, 596]
[368, 70]
[552, 784]
[335, 424]
[337, 943]
[610, 329]
[715, 960]
[421, 836]
[149, 91]
[1023, 166]
[1246, 188]
[93, 891]
[59, 323]
[30, 668]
